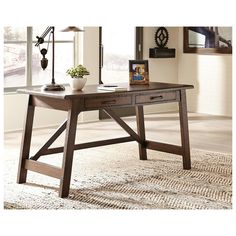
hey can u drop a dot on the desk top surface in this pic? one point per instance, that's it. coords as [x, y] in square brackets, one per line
[92, 90]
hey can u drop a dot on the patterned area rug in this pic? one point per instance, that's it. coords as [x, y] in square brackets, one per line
[113, 177]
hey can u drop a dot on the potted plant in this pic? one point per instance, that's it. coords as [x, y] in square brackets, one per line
[77, 74]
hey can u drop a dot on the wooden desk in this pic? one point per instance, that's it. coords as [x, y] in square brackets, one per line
[92, 99]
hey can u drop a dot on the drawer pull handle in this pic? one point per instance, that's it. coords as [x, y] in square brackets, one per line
[156, 97]
[109, 102]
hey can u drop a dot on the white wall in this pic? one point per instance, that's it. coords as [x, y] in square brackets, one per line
[161, 69]
[91, 61]
[15, 111]
[211, 76]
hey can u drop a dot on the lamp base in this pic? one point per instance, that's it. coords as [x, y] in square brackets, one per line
[53, 87]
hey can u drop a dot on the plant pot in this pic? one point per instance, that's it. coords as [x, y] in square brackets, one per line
[77, 83]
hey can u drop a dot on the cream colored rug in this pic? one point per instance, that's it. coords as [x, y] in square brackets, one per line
[113, 177]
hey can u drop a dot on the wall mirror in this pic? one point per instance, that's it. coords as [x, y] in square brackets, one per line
[208, 40]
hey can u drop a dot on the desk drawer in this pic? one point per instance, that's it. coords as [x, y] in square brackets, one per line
[157, 97]
[108, 101]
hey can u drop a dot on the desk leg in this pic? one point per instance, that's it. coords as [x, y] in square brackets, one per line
[25, 143]
[184, 130]
[141, 132]
[68, 151]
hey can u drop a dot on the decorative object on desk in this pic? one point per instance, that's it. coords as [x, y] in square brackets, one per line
[77, 81]
[161, 39]
[44, 62]
[138, 72]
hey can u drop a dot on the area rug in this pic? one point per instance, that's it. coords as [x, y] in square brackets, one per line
[113, 177]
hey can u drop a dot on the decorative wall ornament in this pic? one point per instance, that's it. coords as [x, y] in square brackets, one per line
[161, 39]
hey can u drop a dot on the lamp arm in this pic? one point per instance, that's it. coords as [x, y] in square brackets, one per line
[44, 34]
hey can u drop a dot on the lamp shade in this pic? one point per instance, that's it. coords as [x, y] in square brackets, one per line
[72, 29]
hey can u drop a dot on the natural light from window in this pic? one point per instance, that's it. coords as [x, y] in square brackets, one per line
[119, 47]
[22, 71]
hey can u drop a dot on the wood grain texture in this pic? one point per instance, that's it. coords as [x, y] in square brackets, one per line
[141, 132]
[89, 145]
[164, 147]
[90, 98]
[43, 168]
[156, 98]
[91, 90]
[26, 141]
[68, 149]
[183, 116]
[50, 103]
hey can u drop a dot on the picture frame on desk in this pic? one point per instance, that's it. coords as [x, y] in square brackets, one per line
[138, 72]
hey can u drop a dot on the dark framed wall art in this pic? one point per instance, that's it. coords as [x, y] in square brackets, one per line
[207, 40]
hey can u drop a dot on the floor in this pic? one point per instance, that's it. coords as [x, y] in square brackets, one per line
[207, 132]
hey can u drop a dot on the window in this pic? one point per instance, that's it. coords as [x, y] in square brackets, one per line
[15, 41]
[22, 59]
[118, 49]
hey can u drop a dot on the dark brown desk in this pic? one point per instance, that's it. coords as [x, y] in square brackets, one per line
[92, 99]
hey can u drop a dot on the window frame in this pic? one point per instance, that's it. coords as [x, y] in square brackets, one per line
[29, 53]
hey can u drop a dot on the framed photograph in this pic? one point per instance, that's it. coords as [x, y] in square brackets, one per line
[138, 72]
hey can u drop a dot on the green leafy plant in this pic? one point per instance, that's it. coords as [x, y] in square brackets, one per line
[77, 72]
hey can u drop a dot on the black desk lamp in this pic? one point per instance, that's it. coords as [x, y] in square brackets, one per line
[44, 62]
